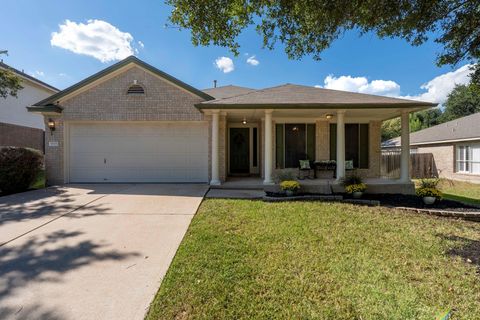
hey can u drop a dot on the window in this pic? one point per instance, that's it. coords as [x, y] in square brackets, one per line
[468, 159]
[135, 89]
[356, 143]
[294, 142]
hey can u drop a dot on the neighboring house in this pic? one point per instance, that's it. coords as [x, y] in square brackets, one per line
[455, 146]
[18, 127]
[134, 123]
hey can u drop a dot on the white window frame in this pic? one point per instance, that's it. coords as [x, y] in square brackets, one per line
[465, 151]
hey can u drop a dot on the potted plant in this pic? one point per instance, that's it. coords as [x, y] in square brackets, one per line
[428, 191]
[290, 187]
[356, 190]
[354, 185]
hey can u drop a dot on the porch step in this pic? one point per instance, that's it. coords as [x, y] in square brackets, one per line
[238, 187]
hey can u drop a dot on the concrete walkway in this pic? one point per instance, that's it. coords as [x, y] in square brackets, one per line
[90, 251]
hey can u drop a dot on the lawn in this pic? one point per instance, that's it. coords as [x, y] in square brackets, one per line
[247, 259]
[460, 191]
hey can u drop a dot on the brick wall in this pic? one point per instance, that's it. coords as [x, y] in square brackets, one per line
[20, 136]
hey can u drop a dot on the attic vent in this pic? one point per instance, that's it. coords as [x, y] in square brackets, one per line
[135, 89]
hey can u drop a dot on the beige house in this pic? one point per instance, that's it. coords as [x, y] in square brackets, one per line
[455, 146]
[134, 123]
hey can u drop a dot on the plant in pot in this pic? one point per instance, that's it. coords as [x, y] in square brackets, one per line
[354, 185]
[290, 187]
[428, 191]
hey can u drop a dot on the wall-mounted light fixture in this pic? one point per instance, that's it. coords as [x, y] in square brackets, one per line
[51, 125]
[244, 120]
[329, 116]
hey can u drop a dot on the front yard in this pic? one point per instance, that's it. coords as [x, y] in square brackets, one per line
[460, 191]
[253, 260]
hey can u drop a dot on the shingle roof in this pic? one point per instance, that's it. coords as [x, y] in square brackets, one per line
[28, 77]
[465, 128]
[289, 95]
[227, 91]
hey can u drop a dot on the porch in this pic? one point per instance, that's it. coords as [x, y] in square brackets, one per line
[319, 186]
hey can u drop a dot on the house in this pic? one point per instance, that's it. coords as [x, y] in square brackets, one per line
[17, 126]
[455, 146]
[134, 123]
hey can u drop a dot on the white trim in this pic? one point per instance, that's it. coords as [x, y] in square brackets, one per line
[445, 141]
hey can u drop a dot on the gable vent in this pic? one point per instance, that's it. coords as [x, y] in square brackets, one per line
[135, 89]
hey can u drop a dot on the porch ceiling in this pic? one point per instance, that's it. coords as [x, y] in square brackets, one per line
[310, 115]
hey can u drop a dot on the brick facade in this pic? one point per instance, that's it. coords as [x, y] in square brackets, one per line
[20, 136]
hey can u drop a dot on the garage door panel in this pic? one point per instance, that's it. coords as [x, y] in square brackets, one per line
[161, 152]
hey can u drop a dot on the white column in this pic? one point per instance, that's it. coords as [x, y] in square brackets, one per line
[268, 148]
[340, 144]
[215, 126]
[405, 156]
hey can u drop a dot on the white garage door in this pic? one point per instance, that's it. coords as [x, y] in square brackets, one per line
[138, 152]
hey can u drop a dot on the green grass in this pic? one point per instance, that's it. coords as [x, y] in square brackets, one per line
[245, 259]
[40, 181]
[460, 191]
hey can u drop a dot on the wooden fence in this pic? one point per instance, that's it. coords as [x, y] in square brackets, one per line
[422, 165]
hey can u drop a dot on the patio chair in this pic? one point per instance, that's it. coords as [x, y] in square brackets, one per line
[307, 170]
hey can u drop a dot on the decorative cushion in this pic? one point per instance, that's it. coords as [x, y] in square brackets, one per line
[304, 165]
[349, 164]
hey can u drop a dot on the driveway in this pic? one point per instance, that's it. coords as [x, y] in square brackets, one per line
[90, 251]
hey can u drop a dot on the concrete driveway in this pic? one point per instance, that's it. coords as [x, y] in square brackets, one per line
[90, 251]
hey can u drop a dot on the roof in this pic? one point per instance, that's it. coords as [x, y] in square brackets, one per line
[461, 129]
[131, 59]
[28, 77]
[291, 95]
[227, 91]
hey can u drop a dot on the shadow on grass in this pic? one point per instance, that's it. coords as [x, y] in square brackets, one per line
[467, 249]
[42, 259]
[463, 199]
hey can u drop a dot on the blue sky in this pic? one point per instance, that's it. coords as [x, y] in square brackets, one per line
[362, 64]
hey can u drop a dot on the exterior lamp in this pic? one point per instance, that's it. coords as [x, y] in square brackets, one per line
[329, 116]
[51, 125]
[244, 121]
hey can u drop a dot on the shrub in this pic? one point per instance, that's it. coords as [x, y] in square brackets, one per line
[352, 179]
[359, 187]
[429, 192]
[19, 167]
[290, 185]
[285, 175]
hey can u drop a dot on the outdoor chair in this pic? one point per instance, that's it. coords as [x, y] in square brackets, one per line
[307, 170]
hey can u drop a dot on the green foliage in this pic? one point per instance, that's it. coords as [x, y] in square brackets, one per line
[10, 83]
[429, 183]
[310, 27]
[352, 179]
[429, 192]
[360, 187]
[19, 168]
[289, 185]
[464, 100]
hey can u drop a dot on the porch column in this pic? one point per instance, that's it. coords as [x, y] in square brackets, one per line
[340, 144]
[268, 147]
[215, 126]
[405, 156]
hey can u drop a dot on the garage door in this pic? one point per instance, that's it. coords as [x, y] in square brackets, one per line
[136, 152]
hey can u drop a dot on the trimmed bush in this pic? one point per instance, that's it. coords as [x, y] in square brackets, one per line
[19, 167]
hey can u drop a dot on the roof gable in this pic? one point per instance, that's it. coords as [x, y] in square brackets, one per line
[115, 67]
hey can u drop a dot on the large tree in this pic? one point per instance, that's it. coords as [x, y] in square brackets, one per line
[10, 83]
[307, 27]
[464, 100]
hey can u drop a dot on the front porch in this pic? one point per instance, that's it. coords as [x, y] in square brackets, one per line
[319, 186]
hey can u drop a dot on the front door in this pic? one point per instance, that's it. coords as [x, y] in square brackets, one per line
[239, 150]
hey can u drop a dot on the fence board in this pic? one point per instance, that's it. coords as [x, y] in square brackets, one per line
[422, 165]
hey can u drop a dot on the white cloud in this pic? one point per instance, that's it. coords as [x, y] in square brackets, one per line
[253, 61]
[225, 64]
[96, 38]
[436, 90]
[141, 44]
[362, 85]
[37, 74]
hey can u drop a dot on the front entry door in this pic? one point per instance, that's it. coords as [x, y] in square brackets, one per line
[239, 150]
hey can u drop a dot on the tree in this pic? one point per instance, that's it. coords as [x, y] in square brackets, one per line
[462, 101]
[10, 83]
[309, 27]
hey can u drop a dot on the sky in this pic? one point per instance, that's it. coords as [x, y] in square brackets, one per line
[62, 42]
